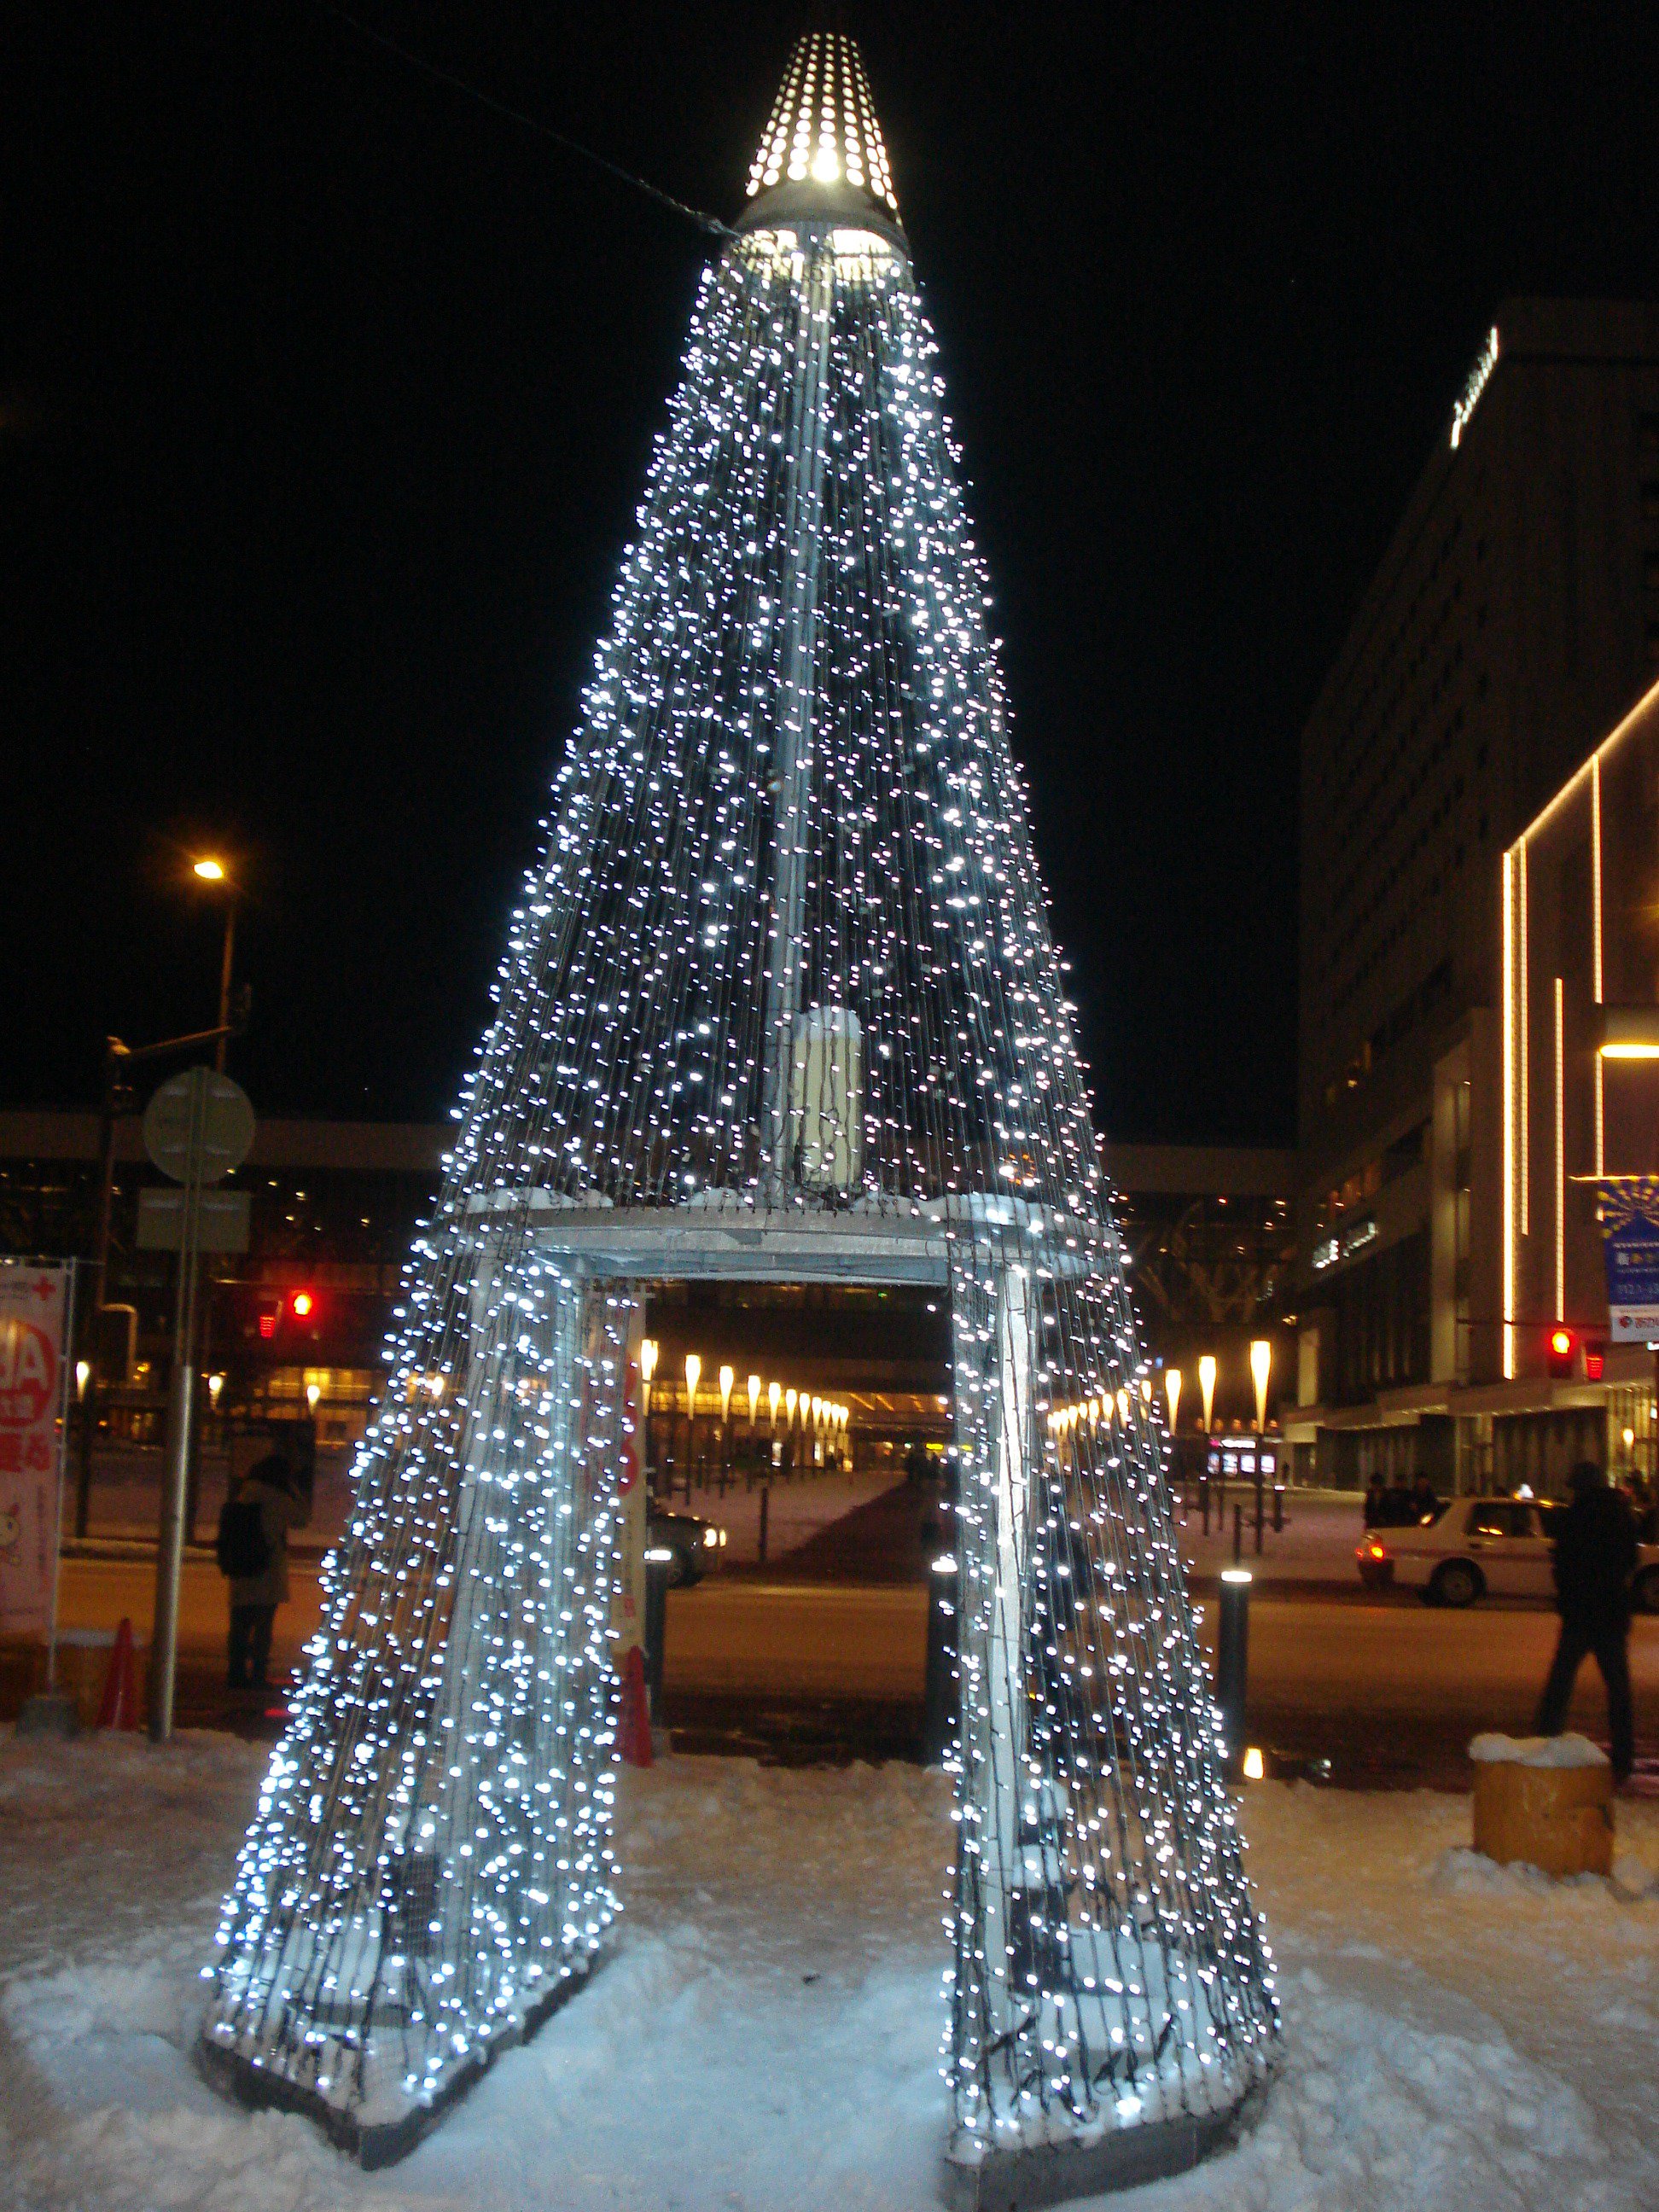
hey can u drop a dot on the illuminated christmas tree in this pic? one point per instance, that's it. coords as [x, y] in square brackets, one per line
[780, 1001]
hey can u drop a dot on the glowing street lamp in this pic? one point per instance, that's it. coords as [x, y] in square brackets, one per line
[728, 1376]
[754, 1400]
[1206, 1384]
[313, 1391]
[1172, 1393]
[647, 1369]
[209, 868]
[774, 1393]
[693, 1369]
[789, 1398]
[1261, 1366]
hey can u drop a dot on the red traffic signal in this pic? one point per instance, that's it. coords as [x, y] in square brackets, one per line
[303, 1304]
[1595, 1362]
[1562, 1346]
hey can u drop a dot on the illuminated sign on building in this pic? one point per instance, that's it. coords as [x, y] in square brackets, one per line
[1469, 398]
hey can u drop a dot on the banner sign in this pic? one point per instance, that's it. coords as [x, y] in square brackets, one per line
[1630, 1246]
[34, 1313]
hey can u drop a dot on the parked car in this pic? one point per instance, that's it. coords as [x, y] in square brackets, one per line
[1482, 1546]
[696, 1544]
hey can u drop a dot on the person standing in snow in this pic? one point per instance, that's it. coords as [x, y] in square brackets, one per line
[254, 1556]
[1595, 1558]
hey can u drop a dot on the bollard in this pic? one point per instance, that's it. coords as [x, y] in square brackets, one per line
[937, 1699]
[1238, 1531]
[1279, 1509]
[1258, 1516]
[1203, 1500]
[657, 1560]
[1232, 1659]
[765, 1516]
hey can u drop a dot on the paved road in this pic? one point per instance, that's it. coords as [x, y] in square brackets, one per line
[1390, 1689]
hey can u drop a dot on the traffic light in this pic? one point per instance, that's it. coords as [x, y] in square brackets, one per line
[303, 1304]
[1562, 1346]
[1596, 1361]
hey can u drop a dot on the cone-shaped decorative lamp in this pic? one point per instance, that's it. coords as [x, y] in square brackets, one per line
[779, 1002]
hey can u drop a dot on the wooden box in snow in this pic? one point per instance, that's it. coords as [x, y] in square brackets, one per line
[1547, 1801]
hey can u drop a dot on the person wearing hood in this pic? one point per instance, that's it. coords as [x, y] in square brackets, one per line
[253, 1558]
[1595, 1559]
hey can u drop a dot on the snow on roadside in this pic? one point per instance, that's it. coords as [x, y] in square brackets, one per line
[765, 2033]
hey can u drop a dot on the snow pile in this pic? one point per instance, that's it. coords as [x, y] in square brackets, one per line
[1567, 1750]
[765, 2033]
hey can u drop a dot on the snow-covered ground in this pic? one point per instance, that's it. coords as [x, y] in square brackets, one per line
[764, 2035]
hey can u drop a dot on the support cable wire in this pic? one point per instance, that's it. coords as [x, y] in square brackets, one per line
[710, 223]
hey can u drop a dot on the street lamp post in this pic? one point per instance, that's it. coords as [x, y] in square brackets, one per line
[728, 1376]
[647, 1369]
[1172, 1400]
[693, 1369]
[1262, 1367]
[211, 870]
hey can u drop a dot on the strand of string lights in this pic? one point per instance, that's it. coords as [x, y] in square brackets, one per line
[784, 960]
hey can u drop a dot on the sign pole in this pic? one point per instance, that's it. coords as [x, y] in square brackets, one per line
[70, 1321]
[170, 1550]
[197, 1128]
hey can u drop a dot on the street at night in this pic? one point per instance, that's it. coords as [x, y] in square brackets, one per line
[1388, 1689]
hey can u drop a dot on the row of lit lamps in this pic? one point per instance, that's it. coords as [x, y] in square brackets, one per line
[821, 1413]
[215, 1384]
[1064, 1419]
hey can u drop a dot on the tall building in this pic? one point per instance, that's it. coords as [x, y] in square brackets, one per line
[1513, 621]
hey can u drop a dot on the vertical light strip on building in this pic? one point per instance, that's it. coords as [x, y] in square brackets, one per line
[1524, 1043]
[1508, 931]
[1525, 1053]
[1595, 941]
[1560, 1165]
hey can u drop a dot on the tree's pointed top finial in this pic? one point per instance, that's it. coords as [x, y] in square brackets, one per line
[822, 142]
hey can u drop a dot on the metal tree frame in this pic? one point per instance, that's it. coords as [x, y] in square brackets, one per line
[780, 1001]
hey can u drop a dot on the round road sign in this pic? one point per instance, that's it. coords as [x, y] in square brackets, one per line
[217, 1108]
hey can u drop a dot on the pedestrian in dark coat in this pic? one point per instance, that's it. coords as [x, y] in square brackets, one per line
[1595, 1559]
[1377, 1498]
[254, 1598]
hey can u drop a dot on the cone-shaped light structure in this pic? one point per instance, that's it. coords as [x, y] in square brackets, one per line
[778, 999]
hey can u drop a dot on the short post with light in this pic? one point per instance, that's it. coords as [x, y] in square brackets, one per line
[1232, 1660]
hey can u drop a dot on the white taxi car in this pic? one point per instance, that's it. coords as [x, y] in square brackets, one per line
[1481, 1546]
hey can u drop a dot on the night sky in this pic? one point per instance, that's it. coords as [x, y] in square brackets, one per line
[326, 400]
